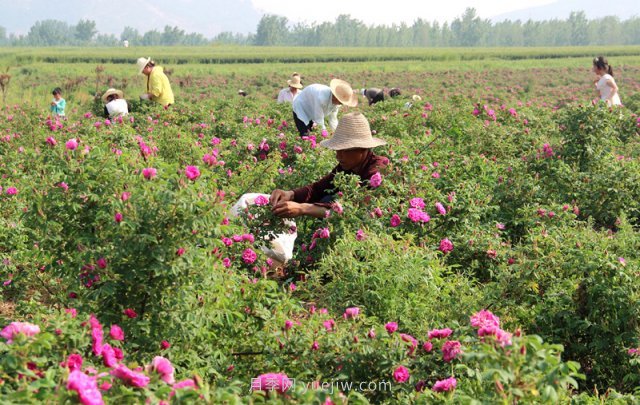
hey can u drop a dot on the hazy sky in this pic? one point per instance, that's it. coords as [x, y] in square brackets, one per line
[390, 11]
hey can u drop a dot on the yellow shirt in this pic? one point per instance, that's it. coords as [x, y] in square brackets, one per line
[158, 85]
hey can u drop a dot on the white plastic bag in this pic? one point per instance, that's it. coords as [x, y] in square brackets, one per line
[281, 248]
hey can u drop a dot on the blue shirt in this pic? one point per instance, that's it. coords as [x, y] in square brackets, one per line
[58, 108]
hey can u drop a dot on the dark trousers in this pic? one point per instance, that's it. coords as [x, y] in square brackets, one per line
[303, 129]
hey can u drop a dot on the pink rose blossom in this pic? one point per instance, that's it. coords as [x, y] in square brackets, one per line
[116, 333]
[323, 233]
[401, 374]
[261, 200]
[72, 144]
[395, 220]
[118, 217]
[445, 385]
[351, 313]
[416, 215]
[484, 318]
[271, 382]
[445, 246]
[440, 333]
[74, 362]
[109, 356]
[450, 350]
[427, 346]
[360, 235]
[440, 208]
[86, 387]
[249, 256]
[149, 172]
[391, 327]
[11, 331]
[413, 342]
[163, 367]
[192, 172]
[130, 377]
[376, 180]
[416, 203]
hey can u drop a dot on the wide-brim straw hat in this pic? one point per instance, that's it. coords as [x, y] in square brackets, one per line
[343, 92]
[112, 92]
[353, 131]
[142, 62]
[295, 82]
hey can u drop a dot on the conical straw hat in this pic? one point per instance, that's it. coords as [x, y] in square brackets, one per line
[353, 131]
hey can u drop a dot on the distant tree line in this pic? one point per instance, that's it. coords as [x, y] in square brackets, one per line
[468, 30]
[59, 33]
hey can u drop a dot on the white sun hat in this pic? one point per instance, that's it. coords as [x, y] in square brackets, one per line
[343, 92]
[142, 62]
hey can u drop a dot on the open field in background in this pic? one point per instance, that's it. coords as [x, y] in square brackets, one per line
[252, 54]
[553, 74]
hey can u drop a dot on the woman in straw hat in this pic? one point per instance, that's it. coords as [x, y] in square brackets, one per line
[290, 93]
[158, 86]
[352, 142]
[115, 105]
[318, 101]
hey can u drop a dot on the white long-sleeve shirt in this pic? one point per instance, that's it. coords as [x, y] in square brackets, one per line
[285, 95]
[117, 108]
[314, 103]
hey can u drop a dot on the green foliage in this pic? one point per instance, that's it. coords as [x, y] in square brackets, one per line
[525, 210]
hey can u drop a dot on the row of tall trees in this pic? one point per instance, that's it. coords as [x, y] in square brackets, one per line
[466, 30]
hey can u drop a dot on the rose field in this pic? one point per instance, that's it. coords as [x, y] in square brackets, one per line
[496, 261]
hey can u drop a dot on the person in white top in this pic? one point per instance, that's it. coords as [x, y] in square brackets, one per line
[290, 93]
[115, 104]
[318, 101]
[606, 84]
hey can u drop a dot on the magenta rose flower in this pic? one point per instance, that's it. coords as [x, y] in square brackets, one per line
[249, 256]
[391, 327]
[149, 172]
[278, 382]
[192, 172]
[484, 318]
[74, 362]
[416, 203]
[163, 367]
[11, 331]
[375, 180]
[130, 377]
[261, 200]
[440, 333]
[72, 144]
[351, 313]
[446, 385]
[86, 387]
[445, 246]
[116, 333]
[450, 350]
[401, 374]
